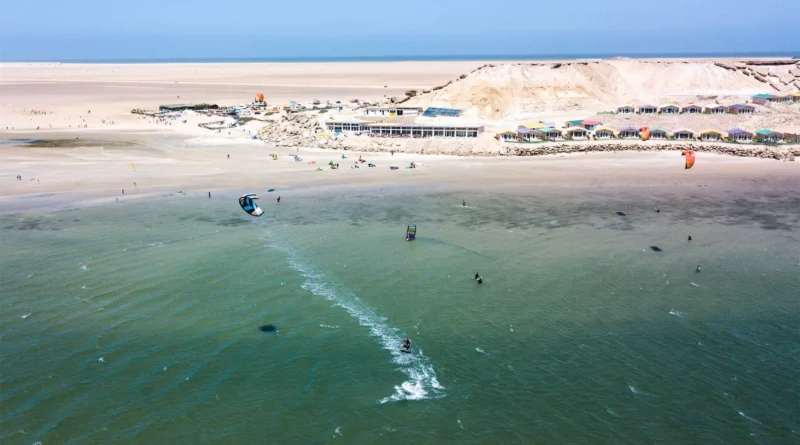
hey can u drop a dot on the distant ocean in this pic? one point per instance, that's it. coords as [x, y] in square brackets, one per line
[435, 58]
[184, 320]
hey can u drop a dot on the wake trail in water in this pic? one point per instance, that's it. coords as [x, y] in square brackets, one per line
[422, 383]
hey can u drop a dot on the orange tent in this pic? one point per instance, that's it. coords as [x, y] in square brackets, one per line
[644, 132]
[260, 97]
[689, 158]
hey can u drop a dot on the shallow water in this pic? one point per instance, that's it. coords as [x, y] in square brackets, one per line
[184, 320]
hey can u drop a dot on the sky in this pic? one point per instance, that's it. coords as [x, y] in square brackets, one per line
[58, 30]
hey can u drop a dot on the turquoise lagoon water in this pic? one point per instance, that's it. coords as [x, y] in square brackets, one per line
[183, 320]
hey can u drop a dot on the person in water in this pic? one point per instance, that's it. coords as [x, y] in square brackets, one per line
[463, 203]
[478, 278]
[690, 237]
[698, 269]
[407, 344]
[279, 199]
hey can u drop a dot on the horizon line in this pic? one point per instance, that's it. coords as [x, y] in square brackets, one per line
[416, 58]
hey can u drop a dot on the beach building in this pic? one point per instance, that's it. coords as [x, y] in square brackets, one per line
[741, 109]
[768, 136]
[790, 138]
[669, 109]
[658, 133]
[550, 133]
[392, 111]
[346, 126]
[424, 130]
[692, 109]
[534, 125]
[577, 133]
[181, 107]
[741, 136]
[761, 99]
[507, 136]
[784, 98]
[573, 123]
[525, 134]
[795, 96]
[629, 133]
[712, 135]
[626, 109]
[715, 109]
[648, 109]
[601, 132]
[683, 134]
[591, 125]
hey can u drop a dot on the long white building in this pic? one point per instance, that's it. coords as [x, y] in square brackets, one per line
[392, 111]
[404, 129]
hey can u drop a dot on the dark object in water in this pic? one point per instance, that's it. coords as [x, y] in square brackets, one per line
[690, 237]
[655, 249]
[267, 328]
[621, 213]
[406, 350]
[698, 268]
[658, 210]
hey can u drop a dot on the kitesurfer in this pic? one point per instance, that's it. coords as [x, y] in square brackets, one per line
[209, 195]
[478, 278]
[690, 237]
[406, 344]
[279, 199]
[463, 203]
[698, 269]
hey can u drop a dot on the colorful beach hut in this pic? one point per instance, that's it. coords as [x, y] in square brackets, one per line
[712, 135]
[669, 109]
[629, 133]
[507, 135]
[648, 109]
[768, 136]
[761, 99]
[601, 132]
[573, 123]
[691, 109]
[658, 133]
[739, 135]
[525, 134]
[591, 125]
[550, 133]
[741, 109]
[683, 134]
[715, 109]
[577, 133]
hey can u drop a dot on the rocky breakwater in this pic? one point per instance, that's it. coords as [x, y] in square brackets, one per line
[783, 153]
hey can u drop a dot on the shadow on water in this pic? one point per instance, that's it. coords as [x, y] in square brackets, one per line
[267, 328]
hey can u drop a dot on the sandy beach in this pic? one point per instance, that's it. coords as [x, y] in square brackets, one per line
[91, 139]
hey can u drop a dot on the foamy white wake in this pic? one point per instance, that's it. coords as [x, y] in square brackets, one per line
[422, 382]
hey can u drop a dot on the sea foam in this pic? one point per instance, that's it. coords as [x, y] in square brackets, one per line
[422, 382]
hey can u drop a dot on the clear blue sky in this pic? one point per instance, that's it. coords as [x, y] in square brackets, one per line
[171, 29]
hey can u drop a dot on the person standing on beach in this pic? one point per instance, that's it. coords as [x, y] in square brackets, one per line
[209, 195]
[123, 191]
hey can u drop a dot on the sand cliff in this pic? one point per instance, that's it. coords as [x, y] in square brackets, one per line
[509, 91]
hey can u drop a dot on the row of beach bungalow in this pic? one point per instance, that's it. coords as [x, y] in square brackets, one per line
[527, 134]
[687, 109]
[780, 98]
